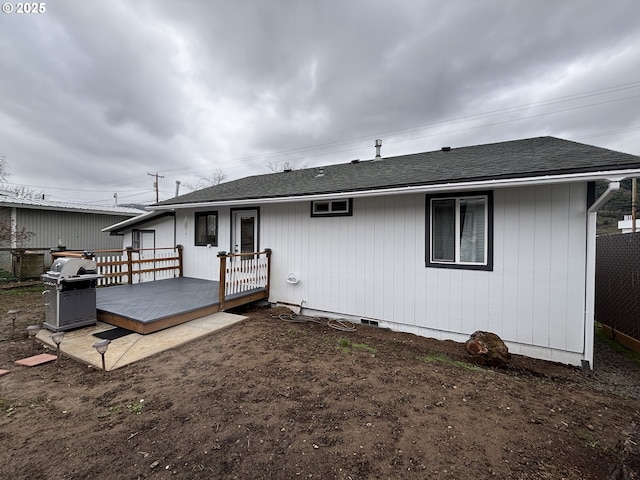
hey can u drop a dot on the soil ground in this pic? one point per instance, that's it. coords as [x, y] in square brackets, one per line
[273, 399]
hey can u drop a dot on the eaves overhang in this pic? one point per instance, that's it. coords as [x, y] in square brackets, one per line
[132, 222]
[612, 175]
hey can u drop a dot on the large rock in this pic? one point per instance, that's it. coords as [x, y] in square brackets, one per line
[486, 348]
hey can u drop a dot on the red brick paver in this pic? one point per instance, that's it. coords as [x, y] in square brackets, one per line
[36, 360]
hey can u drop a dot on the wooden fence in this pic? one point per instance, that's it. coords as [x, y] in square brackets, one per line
[134, 265]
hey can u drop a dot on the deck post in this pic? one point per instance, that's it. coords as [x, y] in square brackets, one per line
[180, 268]
[130, 265]
[268, 253]
[222, 256]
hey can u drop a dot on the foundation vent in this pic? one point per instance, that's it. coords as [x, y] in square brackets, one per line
[373, 323]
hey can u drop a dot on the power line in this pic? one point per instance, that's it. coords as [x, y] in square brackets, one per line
[93, 190]
[610, 132]
[491, 113]
[452, 121]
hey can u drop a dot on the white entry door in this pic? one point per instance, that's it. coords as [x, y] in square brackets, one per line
[245, 231]
[148, 239]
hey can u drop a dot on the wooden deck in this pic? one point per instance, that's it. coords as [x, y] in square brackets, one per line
[151, 306]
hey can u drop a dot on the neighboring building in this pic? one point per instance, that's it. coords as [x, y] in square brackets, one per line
[497, 237]
[625, 226]
[75, 226]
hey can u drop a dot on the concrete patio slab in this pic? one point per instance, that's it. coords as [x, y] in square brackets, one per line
[78, 344]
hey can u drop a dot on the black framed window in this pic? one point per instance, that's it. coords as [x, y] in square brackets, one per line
[206, 228]
[460, 231]
[135, 238]
[332, 208]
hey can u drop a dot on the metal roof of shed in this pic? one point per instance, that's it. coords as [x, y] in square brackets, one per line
[39, 204]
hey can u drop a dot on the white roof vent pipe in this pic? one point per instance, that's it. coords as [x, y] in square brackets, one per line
[378, 147]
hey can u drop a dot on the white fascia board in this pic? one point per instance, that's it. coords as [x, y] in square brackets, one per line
[615, 175]
[138, 218]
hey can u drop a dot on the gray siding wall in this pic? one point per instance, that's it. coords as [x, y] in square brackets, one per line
[76, 231]
[5, 257]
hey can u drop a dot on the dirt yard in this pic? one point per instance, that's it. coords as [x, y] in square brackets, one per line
[272, 399]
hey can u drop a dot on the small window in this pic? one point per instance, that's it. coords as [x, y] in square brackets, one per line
[460, 231]
[206, 228]
[332, 208]
[322, 207]
[135, 238]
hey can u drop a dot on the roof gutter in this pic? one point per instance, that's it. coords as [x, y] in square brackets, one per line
[590, 271]
[612, 188]
[443, 187]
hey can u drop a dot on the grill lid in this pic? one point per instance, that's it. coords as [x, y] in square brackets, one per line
[71, 267]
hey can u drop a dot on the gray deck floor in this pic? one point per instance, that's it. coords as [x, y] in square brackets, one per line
[151, 301]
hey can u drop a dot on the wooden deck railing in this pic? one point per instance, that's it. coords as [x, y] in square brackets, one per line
[133, 264]
[244, 275]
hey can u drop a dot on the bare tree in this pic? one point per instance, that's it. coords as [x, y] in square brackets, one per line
[20, 191]
[13, 236]
[276, 167]
[217, 177]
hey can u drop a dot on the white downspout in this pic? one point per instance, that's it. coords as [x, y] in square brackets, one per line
[590, 284]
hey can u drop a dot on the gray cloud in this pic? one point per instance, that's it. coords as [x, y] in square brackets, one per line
[110, 91]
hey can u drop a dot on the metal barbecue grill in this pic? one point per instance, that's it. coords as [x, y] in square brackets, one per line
[70, 293]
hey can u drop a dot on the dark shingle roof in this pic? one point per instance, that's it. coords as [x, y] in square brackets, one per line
[506, 160]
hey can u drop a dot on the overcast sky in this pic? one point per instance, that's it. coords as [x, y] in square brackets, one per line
[97, 94]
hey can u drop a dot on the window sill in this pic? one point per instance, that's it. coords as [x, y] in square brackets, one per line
[460, 266]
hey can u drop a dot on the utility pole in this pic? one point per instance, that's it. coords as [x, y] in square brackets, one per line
[155, 183]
